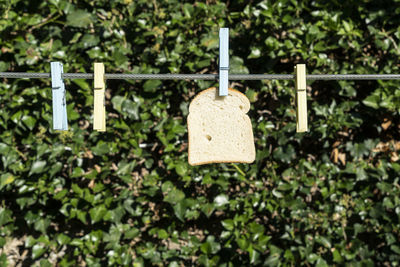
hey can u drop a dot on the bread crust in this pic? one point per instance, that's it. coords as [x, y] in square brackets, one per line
[188, 118]
[229, 90]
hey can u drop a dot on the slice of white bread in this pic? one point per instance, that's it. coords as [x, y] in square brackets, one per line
[219, 129]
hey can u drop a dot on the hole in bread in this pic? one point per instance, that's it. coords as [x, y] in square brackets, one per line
[208, 137]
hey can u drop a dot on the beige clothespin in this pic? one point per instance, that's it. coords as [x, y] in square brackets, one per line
[99, 112]
[301, 98]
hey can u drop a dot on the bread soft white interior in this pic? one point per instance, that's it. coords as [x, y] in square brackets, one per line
[219, 129]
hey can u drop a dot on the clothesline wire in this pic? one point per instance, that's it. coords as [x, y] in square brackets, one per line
[111, 76]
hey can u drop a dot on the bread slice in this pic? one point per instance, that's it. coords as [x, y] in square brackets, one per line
[219, 129]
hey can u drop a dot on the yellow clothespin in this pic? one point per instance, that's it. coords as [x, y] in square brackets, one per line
[99, 112]
[301, 98]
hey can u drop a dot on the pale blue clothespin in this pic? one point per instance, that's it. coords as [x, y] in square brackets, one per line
[60, 121]
[223, 61]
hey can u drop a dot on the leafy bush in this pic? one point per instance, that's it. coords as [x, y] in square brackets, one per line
[327, 197]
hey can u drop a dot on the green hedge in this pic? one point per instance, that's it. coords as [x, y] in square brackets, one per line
[327, 197]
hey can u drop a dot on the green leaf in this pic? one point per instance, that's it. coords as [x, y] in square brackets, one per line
[174, 196]
[100, 149]
[162, 234]
[285, 154]
[5, 179]
[242, 243]
[221, 200]
[29, 121]
[38, 250]
[228, 224]
[79, 18]
[3, 260]
[237, 65]
[4, 148]
[97, 213]
[45, 263]
[277, 194]
[41, 225]
[63, 239]
[395, 248]
[61, 194]
[4, 66]
[117, 102]
[119, 58]
[151, 86]
[323, 241]
[82, 84]
[313, 257]
[37, 167]
[256, 228]
[117, 214]
[89, 40]
[180, 209]
[128, 206]
[181, 169]
[337, 257]
[208, 209]
[81, 215]
[210, 246]
[55, 169]
[372, 101]
[255, 53]
[132, 233]
[254, 255]
[5, 216]
[173, 264]
[77, 172]
[131, 109]
[210, 42]
[321, 263]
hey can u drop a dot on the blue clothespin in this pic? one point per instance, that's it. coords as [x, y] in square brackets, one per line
[60, 121]
[223, 61]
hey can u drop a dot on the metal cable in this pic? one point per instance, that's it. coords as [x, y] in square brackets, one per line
[111, 76]
[24, 75]
[353, 77]
[162, 76]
